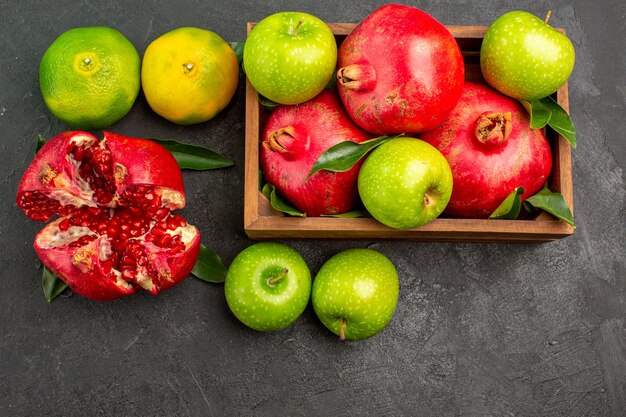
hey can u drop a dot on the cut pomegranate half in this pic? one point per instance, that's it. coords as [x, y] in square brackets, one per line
[114, 197]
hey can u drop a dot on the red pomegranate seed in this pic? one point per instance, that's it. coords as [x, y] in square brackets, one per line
[177, 249]
[120, 245]
[164, 240]
[161, 213]
[135, 250]
[172, 223]
[156, 201]
[64, 225]
[79, 153]
[158, 231]
[112, 231]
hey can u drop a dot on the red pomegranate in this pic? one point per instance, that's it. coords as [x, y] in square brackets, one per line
[400, 71]
[294, 137]
[491, 149]
[114, 198]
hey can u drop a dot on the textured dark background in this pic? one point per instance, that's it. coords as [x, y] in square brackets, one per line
[480, 329]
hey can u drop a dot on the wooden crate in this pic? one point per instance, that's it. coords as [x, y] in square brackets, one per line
[261, 221]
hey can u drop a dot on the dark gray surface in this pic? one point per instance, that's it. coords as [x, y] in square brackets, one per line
[480, 329]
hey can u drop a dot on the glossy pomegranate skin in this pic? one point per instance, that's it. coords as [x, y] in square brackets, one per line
[134, 162]
[400, 71]
[157, 167]
[294, 138]
[84, 272]
[486, 172]
[113, 198]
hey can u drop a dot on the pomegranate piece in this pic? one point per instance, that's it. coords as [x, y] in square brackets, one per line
[293, 139]
[400, 71]
[114, 196]
[491, 150]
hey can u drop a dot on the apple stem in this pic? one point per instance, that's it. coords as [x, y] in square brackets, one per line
[547, 17]
[282, 275]
[342, 330]
[295, 31]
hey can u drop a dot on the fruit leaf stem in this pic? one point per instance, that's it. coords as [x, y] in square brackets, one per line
[297, 28]
[342, 330]
[280, 276]
[547, 17]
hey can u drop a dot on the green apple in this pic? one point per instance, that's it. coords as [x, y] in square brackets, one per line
[289, 57]
[267, 286]
[355, 293]
[525, 58]
[405, 183]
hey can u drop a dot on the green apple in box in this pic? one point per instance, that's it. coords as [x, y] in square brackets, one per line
[405, 183]
[524, 57]
[289, 57]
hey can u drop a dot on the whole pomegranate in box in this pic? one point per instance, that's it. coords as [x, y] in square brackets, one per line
[294, 137]
[400, 71]
[115, 231]
[491, 150]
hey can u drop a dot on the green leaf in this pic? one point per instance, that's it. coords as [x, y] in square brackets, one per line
[539, 114]
[192, 156]
[548, 111]
[560, 120]
[266, 102]
[553, 203]
[238, 48]
[347, 215]
[344, 155]
[528, 207]
[332, 83]
[39, 142]
[509, 209]
[279, 203]
[260, 180]
[209, 267]
[52, 285]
